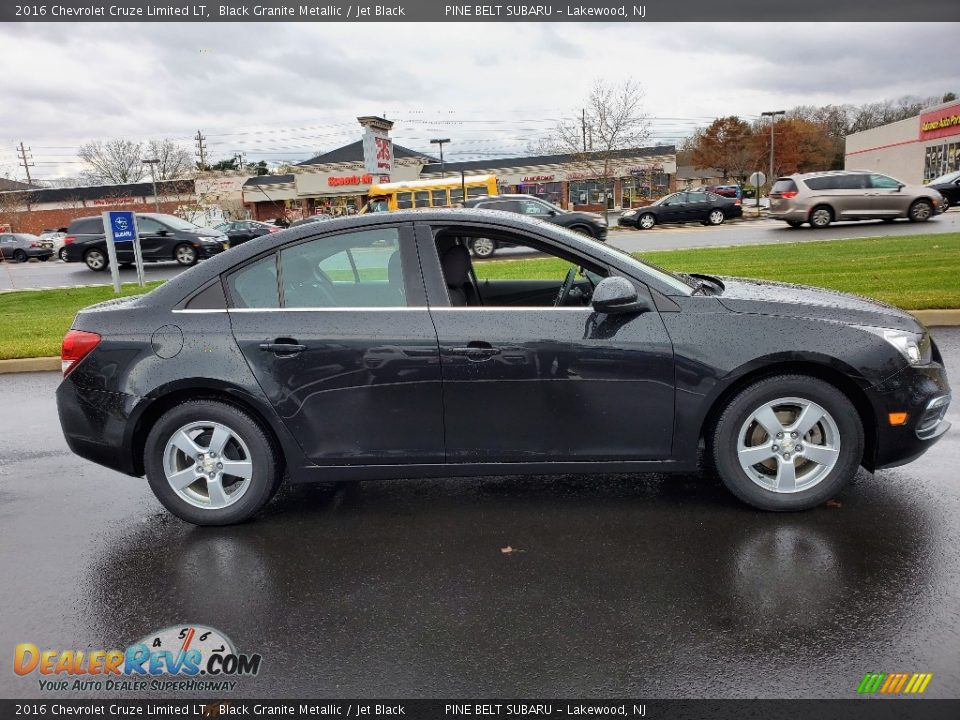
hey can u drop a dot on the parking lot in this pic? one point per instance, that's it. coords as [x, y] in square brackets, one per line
[611, 586]
[668, 237]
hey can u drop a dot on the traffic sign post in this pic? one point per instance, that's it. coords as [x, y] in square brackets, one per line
[120, 226]
[757, 179]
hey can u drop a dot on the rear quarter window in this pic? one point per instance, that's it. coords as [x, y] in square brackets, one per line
[784, 185]
[821, 183]
[86, 226]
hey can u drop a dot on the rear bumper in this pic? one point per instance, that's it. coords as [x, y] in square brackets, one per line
[98, 424]
[924, 394]
[796, 213]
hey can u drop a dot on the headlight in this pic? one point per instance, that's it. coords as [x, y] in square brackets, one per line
[630, 213]
[914, 348]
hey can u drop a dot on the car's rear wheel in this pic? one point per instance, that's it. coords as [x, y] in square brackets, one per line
[920, 211]
[19, 256]
[821, 216]
[62, 254]
[95, 259]
[715, 217]
[788, 442]
[795, 223]
[211, 463]
[185, 254]
[646, 221]
[483, 247]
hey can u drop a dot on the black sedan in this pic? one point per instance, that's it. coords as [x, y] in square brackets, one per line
[589, 224]
[239, 231]
[949, 186]
[369, 347]
[682, 207]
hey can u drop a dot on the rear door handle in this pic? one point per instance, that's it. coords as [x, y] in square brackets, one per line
[476, 351]
[283, 347]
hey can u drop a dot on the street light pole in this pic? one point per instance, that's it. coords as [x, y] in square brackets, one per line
[772, 114]
[440, 142]
[153, 176]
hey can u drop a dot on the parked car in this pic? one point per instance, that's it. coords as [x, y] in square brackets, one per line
[239, 231]
[683, 207]
[730, 191]
[53, 239]
[949, 186]
[20, 247]
[162, 237]
[366, 347]
[589, 224]
[320, 217]
[821, 198]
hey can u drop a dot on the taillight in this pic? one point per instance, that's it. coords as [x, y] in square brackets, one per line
[788, 194]
[77, 344]
[737, 202]
[273, 229]
[67, 239]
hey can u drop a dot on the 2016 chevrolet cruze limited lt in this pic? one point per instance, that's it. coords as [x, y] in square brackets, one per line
[372, 347]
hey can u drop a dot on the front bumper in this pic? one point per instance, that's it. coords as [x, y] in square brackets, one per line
[627, 221]
[921, 391]
[208, 250]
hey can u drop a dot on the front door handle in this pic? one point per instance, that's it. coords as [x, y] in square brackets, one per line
[476, 351]
[283, 346]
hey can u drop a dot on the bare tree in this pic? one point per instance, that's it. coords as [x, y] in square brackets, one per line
[112, 162]
[175, 160]
[13, 206]
[613, 119]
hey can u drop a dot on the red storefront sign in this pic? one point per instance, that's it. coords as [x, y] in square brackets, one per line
[538, 178]
[338, 180]
[940, 123]
[117, 201]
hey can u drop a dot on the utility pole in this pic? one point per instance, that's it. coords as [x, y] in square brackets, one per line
[583, 125]
[201, 150]
[772, 114]
[440, 142]
[153, 176]
[25, 161]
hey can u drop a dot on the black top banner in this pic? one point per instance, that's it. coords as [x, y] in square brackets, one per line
[435, 11]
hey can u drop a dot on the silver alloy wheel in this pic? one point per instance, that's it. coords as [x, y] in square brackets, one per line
[647, 221]
[788, 445]
[921, 211]
[186, 255]
[483, 247]
[63, 254]
[207, 464]
[95, 260]
[820, 217]
[716, 217]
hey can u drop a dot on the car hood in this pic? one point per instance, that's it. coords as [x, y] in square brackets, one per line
[766, 297]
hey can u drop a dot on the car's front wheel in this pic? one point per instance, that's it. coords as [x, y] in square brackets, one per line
[920, 211]
[646, 221]
[211, 463]
[715, 217]
[185, 254]
[788, 442]
[483, 247]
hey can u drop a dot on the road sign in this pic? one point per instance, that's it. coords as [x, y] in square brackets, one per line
[757, 179]
[120, 226]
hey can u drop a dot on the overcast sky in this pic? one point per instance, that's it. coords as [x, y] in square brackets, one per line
[286, 91]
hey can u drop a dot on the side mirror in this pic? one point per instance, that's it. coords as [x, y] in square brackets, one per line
[900, 186]
[551, 213]
[615, 295]
[163, 233]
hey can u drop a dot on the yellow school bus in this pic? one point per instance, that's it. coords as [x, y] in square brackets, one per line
[445, 192]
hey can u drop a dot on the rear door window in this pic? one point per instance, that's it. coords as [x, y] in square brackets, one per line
[255, 286]
[855, 181]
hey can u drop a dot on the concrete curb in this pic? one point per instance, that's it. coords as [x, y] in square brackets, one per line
[930, 318]
[41, 364]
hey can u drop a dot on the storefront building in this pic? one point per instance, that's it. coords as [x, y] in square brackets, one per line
[915, 150]
[583, 181]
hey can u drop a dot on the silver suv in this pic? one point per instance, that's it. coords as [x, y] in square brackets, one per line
[821, 198]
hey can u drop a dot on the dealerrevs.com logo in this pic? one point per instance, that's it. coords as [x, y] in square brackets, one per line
[186, 657]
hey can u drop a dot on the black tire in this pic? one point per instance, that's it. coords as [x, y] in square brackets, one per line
[651, 221]
[821, 216]
[96, 259]
[723, 442]
[265, 458]
[483, 247]
[795, 223]
[715, 217]
[19, 256]
[920, 211]
[185, 254]
[62, 254]
[583, 230]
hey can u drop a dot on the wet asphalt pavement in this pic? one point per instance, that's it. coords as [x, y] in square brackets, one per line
[618, 586]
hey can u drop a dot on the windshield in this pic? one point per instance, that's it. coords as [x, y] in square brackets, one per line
[948, 178]
[177, 224]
